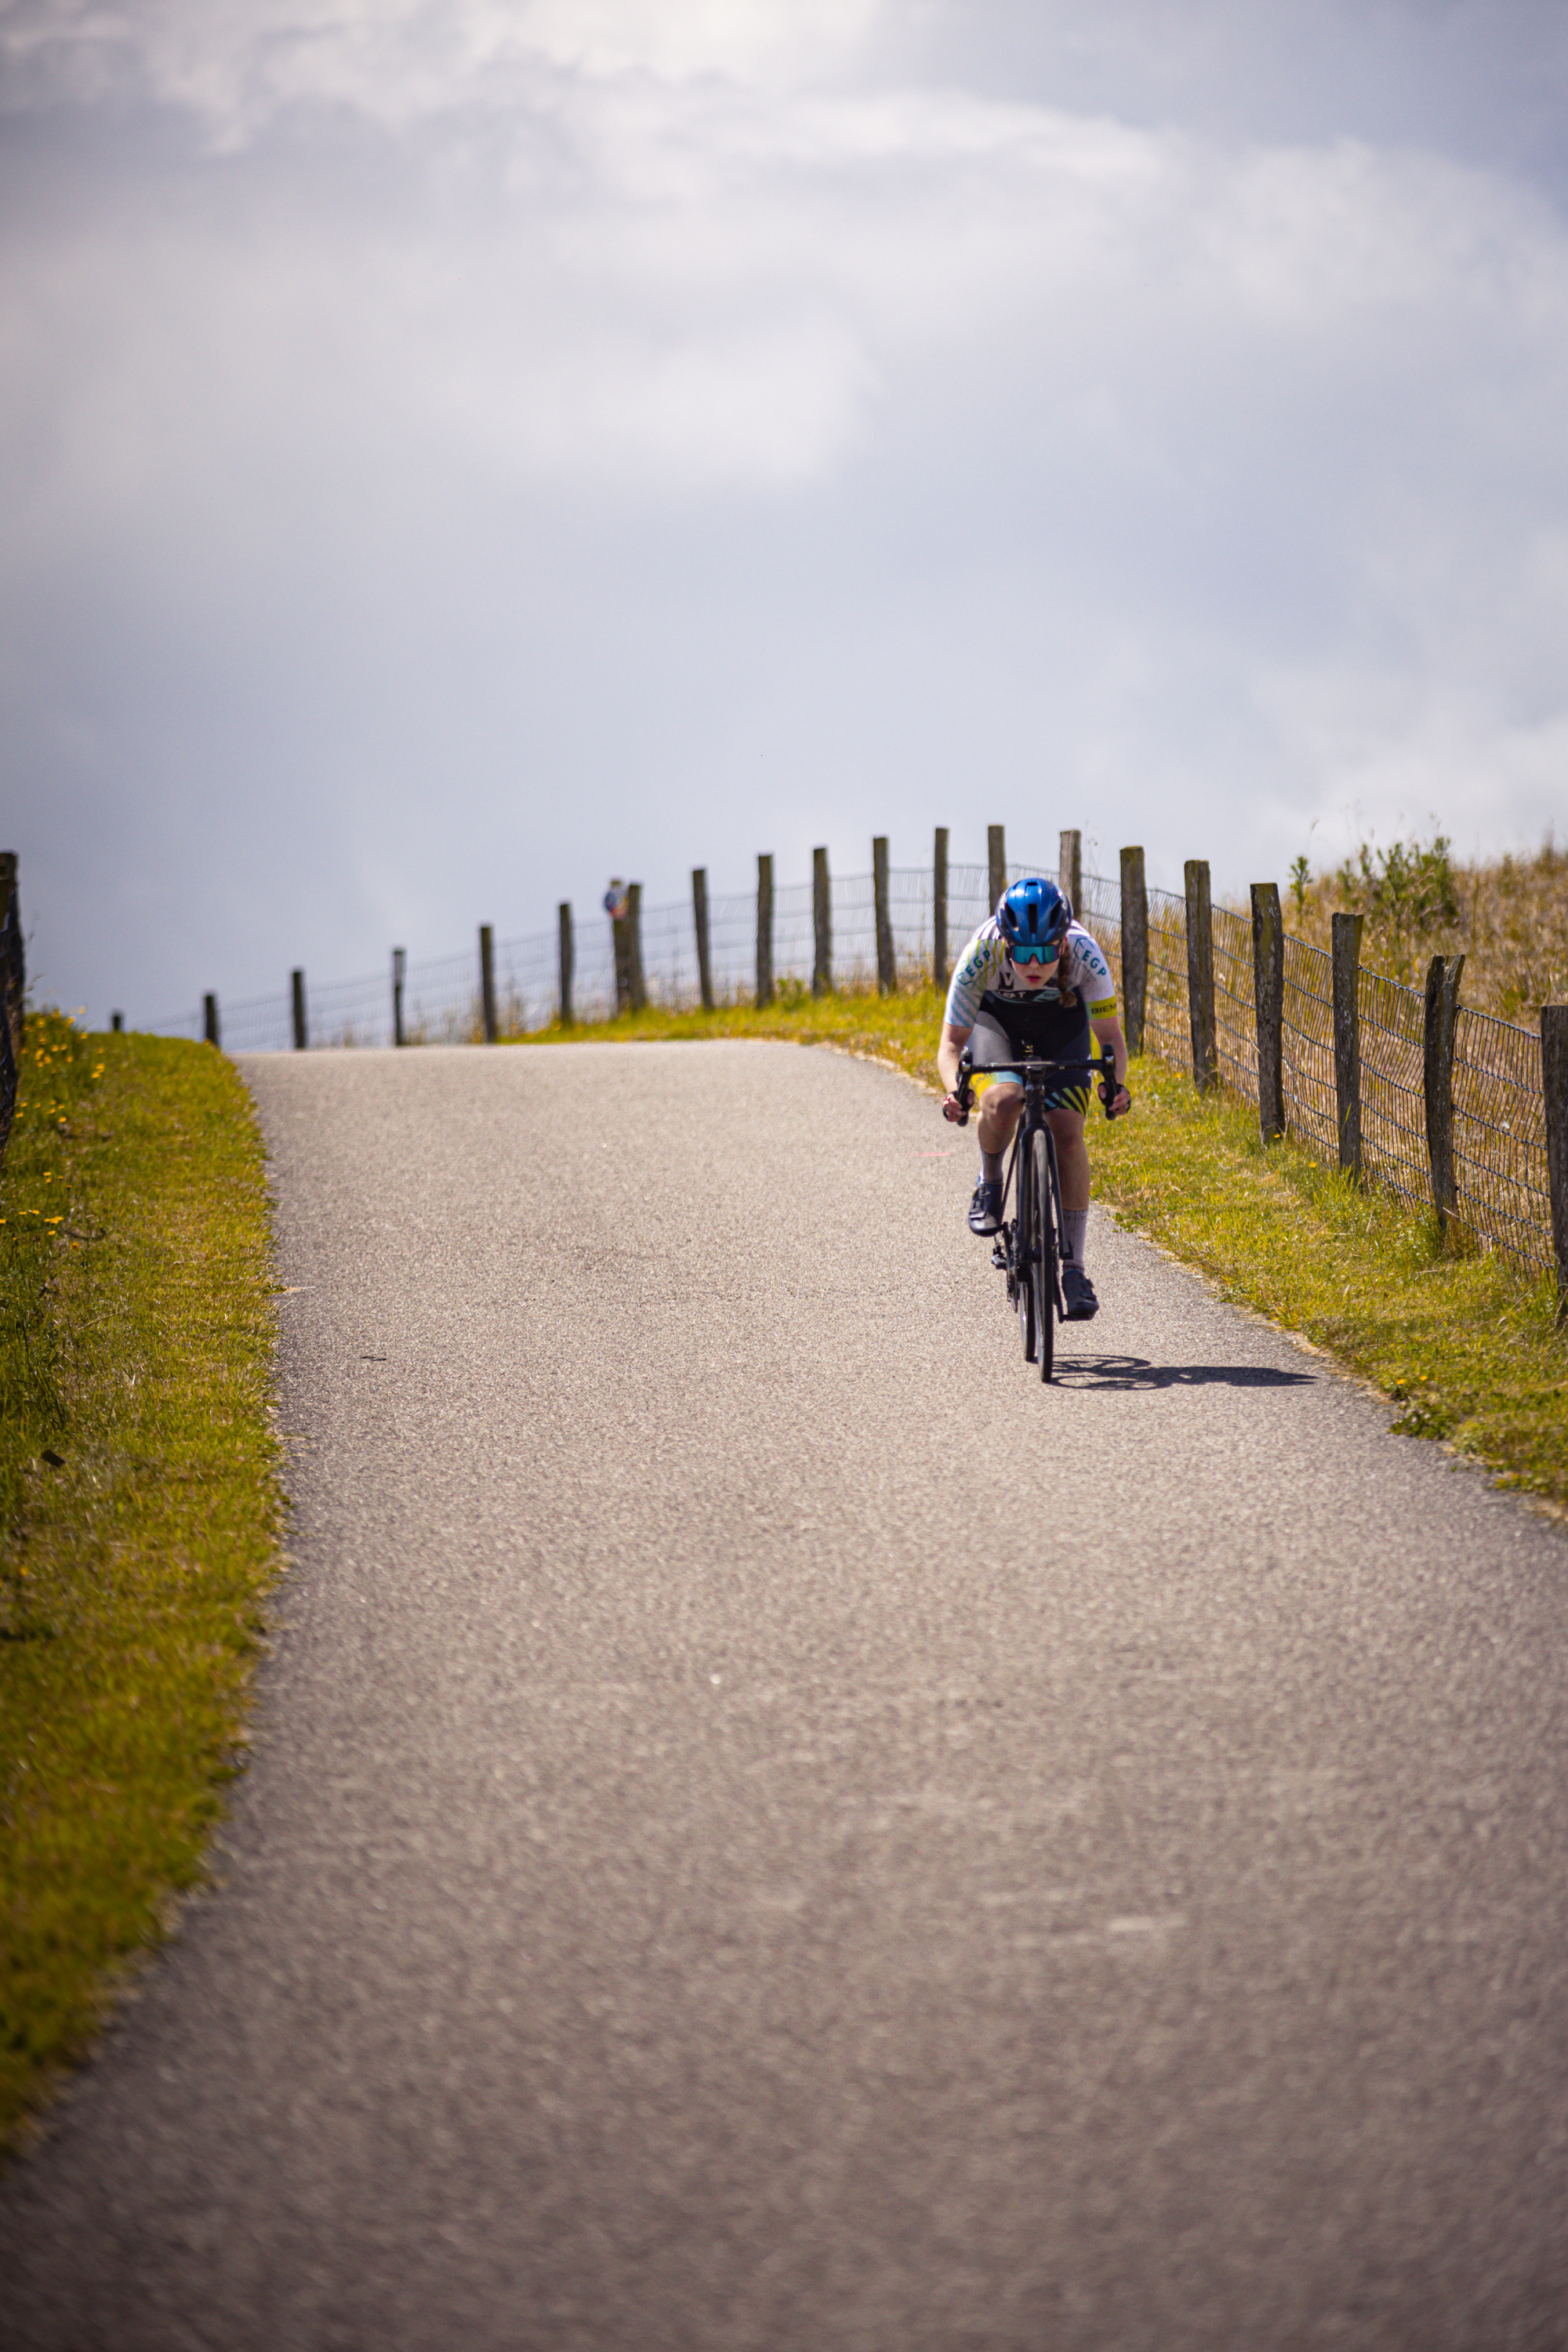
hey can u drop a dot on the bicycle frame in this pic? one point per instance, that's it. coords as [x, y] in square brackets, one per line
[1040, 1078]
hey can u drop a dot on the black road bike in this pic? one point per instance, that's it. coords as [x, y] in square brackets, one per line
[1027, 1249]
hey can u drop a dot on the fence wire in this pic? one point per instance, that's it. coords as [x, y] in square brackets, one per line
[441, 999]
[1235, 1000]
[1501, 1190]
[1311, 1104]
[1500, 1136]
[1167, 1031]
[1393, 1087]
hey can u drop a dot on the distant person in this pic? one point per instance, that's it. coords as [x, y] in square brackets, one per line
[1032, 983]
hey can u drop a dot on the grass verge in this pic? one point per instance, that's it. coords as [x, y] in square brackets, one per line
[1467, 1347]
[901, 1029]
[140, 1510]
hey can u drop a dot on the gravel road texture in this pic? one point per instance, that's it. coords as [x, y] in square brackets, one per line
[770, 1829]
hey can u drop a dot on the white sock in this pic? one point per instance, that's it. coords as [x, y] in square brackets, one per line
[1075, 1223]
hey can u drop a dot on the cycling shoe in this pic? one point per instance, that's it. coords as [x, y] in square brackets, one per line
[985, 1209]
[1079, 1303]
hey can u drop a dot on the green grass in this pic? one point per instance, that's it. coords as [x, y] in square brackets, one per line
[1467, 1347]
[136, 1334]
[901, 1029]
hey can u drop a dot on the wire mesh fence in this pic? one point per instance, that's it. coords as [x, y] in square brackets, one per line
[1392, 1093]
[441, 1001]
[1167, 1033]
[1500, 1136]
[1502, 1185]
[1307, 1046]
[1235, 1000]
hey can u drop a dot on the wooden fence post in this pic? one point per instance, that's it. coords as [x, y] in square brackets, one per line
[637, 986]
[1134, 946]
[301, 1033]
[939, 964]
[8, 1084]
[765, 929]
[1439, 1013]
[399, 966]
[822, 925]
[886, 974]
[617, 899]
[117, 1023]
[13, 955]
[12, 994]
[1347, 1038]
[209, 1021]
[996, 860]
[699, 918]
[565, 963]
[1268, 1003]
[1555, 1084]
[1200, 976]
[1069, 871]
[488, 982]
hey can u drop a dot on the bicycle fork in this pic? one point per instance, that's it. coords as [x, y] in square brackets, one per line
[1005, 1252]
[1059, 1227]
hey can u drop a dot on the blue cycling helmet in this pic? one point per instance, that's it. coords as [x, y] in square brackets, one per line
[1034, 916]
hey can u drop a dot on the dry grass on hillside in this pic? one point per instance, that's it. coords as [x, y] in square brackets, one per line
[1509, 918]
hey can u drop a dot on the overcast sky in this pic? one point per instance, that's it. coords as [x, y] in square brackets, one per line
[454, 451]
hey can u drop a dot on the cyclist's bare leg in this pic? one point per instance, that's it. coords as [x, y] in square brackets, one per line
[1072, 1157]
[1072, 1170]
[999, 1108]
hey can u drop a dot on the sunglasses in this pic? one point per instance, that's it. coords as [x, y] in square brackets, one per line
[1035, 953]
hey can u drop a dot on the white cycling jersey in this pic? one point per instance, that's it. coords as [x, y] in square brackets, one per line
[985, 969]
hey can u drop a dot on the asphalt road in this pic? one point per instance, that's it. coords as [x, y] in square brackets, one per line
[769, 1829]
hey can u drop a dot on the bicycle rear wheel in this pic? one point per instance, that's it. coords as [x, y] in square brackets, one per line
[1043, 1264]
[1023, 1224]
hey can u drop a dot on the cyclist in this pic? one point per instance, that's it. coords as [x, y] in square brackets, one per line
[1033, 983]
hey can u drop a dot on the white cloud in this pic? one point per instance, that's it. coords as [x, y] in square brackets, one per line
[403, 62]
[684, 284]
[943, 438]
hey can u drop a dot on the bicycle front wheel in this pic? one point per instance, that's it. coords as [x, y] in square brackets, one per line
[1023, 1228]
[1043, 1261]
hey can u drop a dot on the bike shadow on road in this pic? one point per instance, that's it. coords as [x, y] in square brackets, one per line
[1137, 1372]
